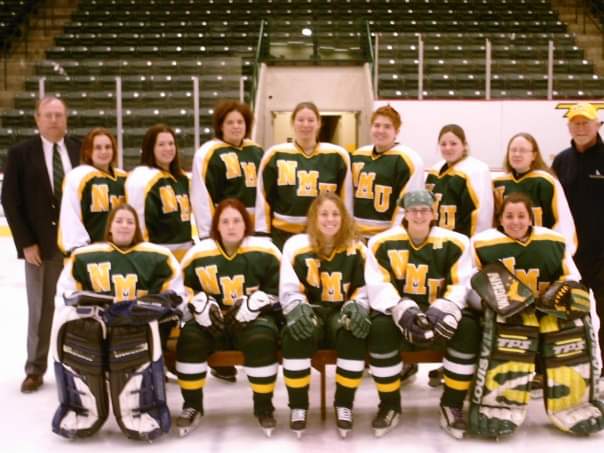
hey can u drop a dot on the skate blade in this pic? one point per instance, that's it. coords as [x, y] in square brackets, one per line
[379, 432]
[182, 432]
[268, 432]
[455, 433]
[435, 383]
[537, 394]
[298, 433]
[409, 380]
[343, 432]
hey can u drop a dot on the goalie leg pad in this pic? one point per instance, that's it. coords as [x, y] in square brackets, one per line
[570, 375]
[500, 393]
[83, 402]
[137, 381]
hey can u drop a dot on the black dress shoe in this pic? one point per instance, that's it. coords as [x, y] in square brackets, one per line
[31, 383]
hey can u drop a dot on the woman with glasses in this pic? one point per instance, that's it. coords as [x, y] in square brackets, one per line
[417, 275]
[527, 172]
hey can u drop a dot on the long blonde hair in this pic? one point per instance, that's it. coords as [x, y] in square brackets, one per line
[346, 234]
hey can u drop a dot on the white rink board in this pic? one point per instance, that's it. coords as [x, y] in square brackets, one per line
[488, 125]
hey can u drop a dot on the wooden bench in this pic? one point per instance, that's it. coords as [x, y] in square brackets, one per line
[319, 361]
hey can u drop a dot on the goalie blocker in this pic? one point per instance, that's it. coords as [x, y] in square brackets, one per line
[501, 290]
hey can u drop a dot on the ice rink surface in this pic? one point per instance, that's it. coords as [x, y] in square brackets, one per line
[229, 425]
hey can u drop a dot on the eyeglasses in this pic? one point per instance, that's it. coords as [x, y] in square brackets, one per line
[420, 211]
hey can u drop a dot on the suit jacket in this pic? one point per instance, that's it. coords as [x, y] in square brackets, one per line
[31, 209]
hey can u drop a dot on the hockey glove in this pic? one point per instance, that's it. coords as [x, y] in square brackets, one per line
[87, 299]
[252, 306]
[355, 318]
[565, 300]
[413, 324]
[167, 299]
[87, 304]
[207, 313]
[501, 290]
[444, 316]
[247, 308]
[155, 306]
[301, 321]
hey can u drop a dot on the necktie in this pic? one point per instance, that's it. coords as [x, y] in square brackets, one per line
[57, 171]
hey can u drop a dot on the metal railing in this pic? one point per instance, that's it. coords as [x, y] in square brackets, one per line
[384, 42]
[125, 109]
[259, 53]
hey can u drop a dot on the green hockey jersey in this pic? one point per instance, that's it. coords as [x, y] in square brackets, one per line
[223, 171]
[379, 181]
[162, 203]
[254, 266]
[538, 262]
[88, 196]
[550, 207]
[124, 274]
[438, 268]
[464, 193]
[334, 280]
[289, 181]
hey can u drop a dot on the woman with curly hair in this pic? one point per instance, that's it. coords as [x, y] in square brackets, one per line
[322, 292]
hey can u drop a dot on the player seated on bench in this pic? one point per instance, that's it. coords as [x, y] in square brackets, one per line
[517, 259]
[322, 291]
[232, 280]
[111, 296]
[417, 276]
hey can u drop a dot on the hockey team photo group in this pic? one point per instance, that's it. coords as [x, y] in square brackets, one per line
[135, 280]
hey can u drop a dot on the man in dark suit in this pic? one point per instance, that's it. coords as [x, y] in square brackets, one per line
[31, 197]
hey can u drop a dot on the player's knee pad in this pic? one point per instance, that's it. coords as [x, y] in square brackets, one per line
[195, 343]
[571, 375]
[468, 334]
[350, 347]
[505, 369]
[258, 342]
[264, 327]
[137, 381]
[384, 336]
[79, 371]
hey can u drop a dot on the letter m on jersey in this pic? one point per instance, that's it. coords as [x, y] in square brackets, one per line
[414, 276]
[99, 194]
[98, 273]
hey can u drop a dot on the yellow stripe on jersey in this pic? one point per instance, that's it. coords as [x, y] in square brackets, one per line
[288, 227]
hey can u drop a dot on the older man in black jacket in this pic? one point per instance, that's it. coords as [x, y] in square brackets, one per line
[31, 197]
[580, 169]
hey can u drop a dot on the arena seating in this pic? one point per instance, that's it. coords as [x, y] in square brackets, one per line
[13, 16]
[155, 46]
